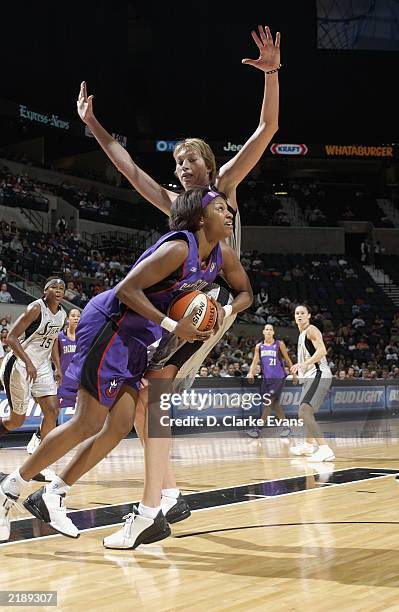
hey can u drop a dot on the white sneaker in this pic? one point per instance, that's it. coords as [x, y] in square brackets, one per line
[323, 453]
[6, 503]
[50, 508]
[33, 443]
[303, 448]
[138, 530]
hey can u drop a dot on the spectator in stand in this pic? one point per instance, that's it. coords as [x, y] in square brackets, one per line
[358, 322]
[3, 339]
[3, 272]
[215, 371]
[348, 213]
[16, 244]
[203, 372]
[61, 225]
[5, 295]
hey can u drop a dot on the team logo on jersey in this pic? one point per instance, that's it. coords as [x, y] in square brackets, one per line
[213, 266]
[193, 269]
[112, 389]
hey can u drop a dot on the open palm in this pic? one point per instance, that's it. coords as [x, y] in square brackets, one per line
[85, 104]
[269, 51]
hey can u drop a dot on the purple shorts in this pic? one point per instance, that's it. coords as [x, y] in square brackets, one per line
[67, 392]
[105, 359]
[272, 387]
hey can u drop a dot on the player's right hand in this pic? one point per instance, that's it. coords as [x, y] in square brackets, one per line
[85, 104]
[186, 329]
[31, 372]
[250, 378]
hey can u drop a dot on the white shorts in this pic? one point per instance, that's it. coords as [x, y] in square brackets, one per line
[19, 391]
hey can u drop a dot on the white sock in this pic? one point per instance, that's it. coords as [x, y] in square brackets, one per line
[148, 512]
[171, 493]
[57, 485]
[14, 483]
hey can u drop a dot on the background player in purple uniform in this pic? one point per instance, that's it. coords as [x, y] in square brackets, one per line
[66, 392]
[115, 329]
[271, 354]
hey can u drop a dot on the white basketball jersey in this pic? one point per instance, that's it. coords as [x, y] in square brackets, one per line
[235, 239]
[39, 337]
[307, 350]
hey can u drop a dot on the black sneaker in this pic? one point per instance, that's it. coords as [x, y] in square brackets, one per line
[41, 478]
[50, 508]
[178, 512]
[138, 530]
[2, 476]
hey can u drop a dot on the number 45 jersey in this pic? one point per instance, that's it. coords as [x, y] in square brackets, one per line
[39, 337]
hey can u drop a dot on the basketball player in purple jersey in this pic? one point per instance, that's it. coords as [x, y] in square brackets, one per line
[112, 338]
[66, 392]
[196, 165]
[271, 354]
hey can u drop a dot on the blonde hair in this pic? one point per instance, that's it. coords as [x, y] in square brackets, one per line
[203, 149]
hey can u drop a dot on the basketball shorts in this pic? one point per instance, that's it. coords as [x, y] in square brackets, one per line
[272, 388]
[67, 392]
[19, 390]
[104, 361]
[314, 390]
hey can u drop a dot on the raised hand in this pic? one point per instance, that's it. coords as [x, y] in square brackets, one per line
[85, 104]
[269, 52]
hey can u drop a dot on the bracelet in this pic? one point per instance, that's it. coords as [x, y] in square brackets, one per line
[275, 70]
[169, 324]
[228, 309]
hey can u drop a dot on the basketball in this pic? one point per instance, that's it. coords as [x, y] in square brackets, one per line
[182, 305]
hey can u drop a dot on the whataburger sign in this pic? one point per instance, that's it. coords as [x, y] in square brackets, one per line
[358, 151]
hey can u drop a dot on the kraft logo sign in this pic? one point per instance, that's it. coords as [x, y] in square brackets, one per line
[165, 146]
[288, 149]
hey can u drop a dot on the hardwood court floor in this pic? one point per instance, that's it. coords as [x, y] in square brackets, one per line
[320, 547]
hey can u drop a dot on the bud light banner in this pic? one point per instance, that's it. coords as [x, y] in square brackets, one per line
[392, 397]
[357, 399]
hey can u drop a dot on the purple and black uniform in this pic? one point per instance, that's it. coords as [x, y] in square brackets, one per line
[273, 372]
[67, 391]
[112, 339]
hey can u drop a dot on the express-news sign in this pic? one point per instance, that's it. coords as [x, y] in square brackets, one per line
[46, 119]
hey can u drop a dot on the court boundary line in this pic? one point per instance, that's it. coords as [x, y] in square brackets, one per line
[248, 501]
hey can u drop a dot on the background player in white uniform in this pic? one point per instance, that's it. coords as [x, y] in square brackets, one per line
[66, 349]
[26, 371]
[315, 375]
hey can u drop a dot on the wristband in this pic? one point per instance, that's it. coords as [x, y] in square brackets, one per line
[275, 70]
[228, 309]
[169, 324]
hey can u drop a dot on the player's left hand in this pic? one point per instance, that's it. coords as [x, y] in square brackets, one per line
[269, 52]
[58, 377]
[295, 379]
[294, 369]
